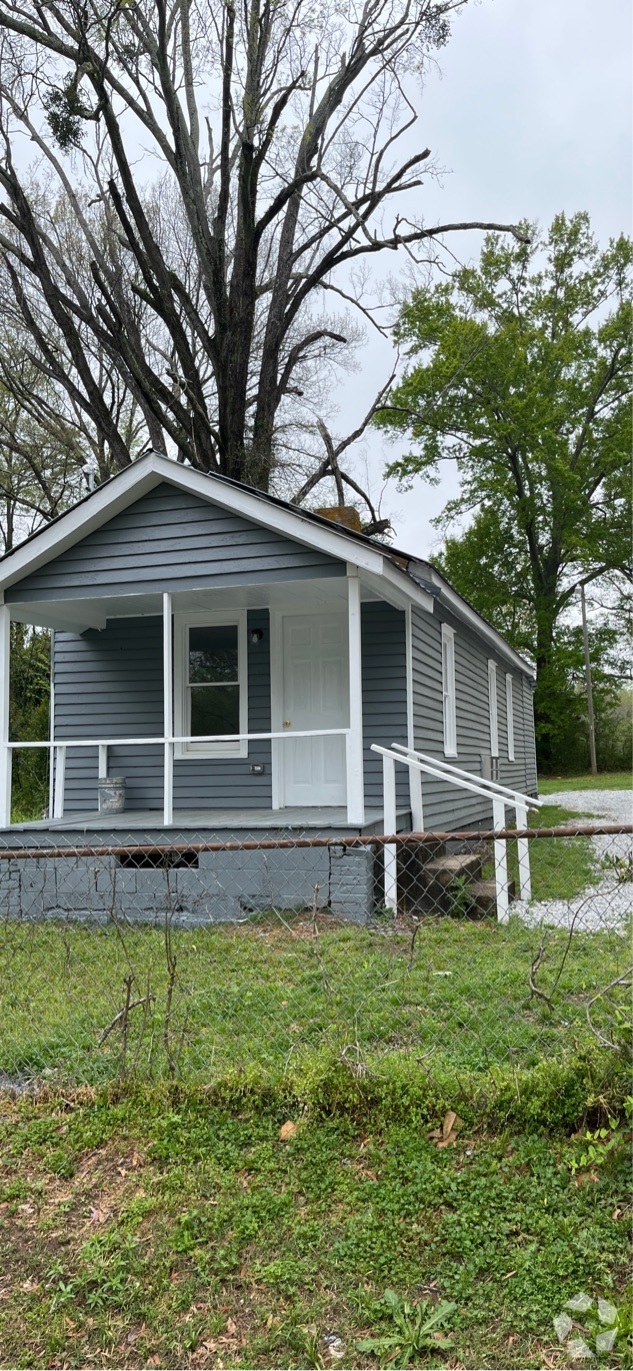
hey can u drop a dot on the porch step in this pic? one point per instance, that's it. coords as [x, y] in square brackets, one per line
[484, 895]
[443, 870]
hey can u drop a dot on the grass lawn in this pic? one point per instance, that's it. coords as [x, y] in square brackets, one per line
[153, 1223]
[606, 780]
[154, 1228]
[266, 993]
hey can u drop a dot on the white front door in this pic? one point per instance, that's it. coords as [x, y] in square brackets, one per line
[315, 694]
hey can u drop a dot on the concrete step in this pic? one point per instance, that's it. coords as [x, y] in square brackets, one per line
[443, 870]
[484, 895]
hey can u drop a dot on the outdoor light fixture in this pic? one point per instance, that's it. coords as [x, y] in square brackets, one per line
[256, 635]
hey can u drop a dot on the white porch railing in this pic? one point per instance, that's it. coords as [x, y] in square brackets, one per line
[58, 750]
[353, 734]
[503, 797]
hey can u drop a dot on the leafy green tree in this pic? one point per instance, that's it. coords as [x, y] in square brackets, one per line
[520, 373]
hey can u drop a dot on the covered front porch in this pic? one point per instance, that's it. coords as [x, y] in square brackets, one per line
[300, 673]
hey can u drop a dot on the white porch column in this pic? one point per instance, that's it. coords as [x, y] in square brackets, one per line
[390, 850]
[5, 751]
[168, 712]
[354, 740]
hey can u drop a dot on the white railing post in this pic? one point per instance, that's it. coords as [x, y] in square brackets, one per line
[103, 761]
[60, 781]
[354, 739]
[5, 750]
[523, 850]
[415, 799]
[501, 863]
[390, 850]
[168, 712]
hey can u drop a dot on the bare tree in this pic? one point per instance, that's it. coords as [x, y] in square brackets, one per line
[277, 127]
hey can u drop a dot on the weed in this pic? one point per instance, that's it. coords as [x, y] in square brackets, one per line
[461, 902]
[417, 1329]
[598, 1145]
[622, 867]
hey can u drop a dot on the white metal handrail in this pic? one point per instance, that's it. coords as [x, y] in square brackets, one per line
[438, 762]
[502, 797]
[58, 749]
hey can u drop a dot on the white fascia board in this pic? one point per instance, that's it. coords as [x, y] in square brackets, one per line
[110, 499]
[144, 475]
[461, 610]
[403, 589]
[288, 522]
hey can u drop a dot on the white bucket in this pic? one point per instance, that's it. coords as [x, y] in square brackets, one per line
[111, 791]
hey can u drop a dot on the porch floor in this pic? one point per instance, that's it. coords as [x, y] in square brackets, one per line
[233, 820]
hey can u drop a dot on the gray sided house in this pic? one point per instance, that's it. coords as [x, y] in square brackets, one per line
[236, 659]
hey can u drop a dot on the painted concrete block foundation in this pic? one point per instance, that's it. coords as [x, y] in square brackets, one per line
[220, 887]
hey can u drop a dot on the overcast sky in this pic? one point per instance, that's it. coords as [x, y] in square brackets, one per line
[531, 115]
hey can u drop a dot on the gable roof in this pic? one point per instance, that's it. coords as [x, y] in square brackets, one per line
[409, 579]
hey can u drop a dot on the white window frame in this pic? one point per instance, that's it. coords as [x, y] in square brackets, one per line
[207, 619]
[449, 703]
[493, 708]
[510, 716]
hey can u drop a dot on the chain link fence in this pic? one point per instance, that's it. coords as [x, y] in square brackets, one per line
[188, 958]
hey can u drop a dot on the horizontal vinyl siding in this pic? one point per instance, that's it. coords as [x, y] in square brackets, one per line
[384, 653]
[445, 805]
[169, 541]
[110, 684]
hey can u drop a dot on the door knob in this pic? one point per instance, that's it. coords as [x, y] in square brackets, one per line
[286, 723]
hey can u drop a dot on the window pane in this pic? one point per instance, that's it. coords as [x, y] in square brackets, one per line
[213, 654]
[215, 709]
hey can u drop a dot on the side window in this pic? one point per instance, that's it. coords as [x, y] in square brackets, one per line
[448, 691]
[510, 717]
[492, 705]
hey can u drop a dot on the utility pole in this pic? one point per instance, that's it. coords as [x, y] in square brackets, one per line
[592, 726]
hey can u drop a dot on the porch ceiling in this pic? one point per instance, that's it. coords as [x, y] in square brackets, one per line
[75, 616]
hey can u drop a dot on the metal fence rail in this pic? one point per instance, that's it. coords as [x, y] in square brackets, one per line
[174, 954]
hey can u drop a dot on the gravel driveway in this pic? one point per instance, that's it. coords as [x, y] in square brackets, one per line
[606, 903]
